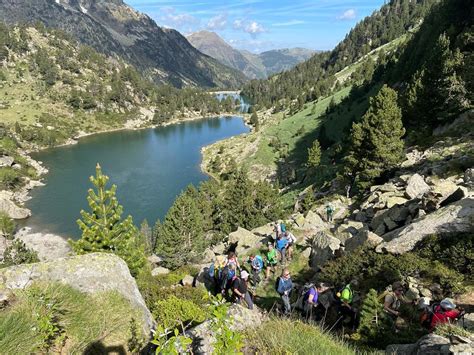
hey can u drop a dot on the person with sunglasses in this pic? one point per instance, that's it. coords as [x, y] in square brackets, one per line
[285, 286]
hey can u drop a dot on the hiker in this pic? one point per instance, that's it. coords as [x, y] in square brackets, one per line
[392, 300]
[445, 312]
[310, 299]
[281, 245]
[215, 272]
[227, 276]
[232, 259]
[271, 260]
[256, 262]
[329, 212]
[240, 290]
[346, 308]
[285, 286]
[290, 237]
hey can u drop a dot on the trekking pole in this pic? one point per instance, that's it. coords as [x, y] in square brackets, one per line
[336, 323]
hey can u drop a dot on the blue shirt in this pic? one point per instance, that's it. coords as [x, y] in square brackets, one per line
[281, 243]
[284, 285]
[314, 292]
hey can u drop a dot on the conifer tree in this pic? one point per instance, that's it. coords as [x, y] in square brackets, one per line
[373, 319]
[181, 236]
[314, 155]
[376, 142]
[103, 229]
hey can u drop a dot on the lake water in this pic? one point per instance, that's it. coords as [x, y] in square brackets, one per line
[150, 168]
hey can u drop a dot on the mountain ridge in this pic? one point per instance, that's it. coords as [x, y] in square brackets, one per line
[253, 65]
[114, 28]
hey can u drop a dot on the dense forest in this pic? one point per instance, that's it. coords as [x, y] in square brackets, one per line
[315, 77]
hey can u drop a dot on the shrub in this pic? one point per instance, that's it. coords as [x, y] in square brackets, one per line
[7, 226]
[173, 311]
[17, 253]
[9, 178]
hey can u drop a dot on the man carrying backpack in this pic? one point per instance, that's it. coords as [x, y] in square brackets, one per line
[284, 288]
[240, 290]
[392, 300]
[290, 237]
[227, 276]
[346, 308]
[329, 212]
[256, 262]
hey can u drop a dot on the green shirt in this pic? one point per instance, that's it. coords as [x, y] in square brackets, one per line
[272, 256]
[346, 294]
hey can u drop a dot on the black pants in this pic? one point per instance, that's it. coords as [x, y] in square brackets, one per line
[349, 313]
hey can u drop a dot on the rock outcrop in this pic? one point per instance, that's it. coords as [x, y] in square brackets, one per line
[47, 246]
[90, 273]
[455, 218]
[323, 248]
[10, 208]
[433, 344]
[244, 239]
[240, 318]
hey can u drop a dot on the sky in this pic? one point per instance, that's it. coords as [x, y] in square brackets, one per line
[260, 25]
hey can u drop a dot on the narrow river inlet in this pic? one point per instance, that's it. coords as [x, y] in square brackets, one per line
[150, 168]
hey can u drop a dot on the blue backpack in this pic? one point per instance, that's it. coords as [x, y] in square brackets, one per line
[259, 260]
[283, 227]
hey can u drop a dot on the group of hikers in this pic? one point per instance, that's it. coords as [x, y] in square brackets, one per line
[238, 283]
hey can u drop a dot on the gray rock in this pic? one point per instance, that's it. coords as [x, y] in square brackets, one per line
[4, 299]
[90, 273]
[188, 280]
[314, 222]
[219, 249]
[6, 161]
[264, 230]
[469, 321]
[348, 230]
[154, 260]
[391, 225]
[412, 294]
[457, 217]
[340, 205]
[298, 219]
[323, 247]
[160, 270]
[457, 195]
[240, 318]
[244, 238]
[394, 201]
[399, 213]
[207, 256]
[11, 209]
[361, 216]
[364, 237]
[425, 292]
[432, 344]
[48, 246]
[400, 349]
[416, 187]
[469, 177]
[306, 253]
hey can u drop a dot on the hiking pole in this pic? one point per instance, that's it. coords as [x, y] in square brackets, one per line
[336, 322]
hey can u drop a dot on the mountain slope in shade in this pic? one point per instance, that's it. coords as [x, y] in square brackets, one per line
[252, 65]
[114, 28]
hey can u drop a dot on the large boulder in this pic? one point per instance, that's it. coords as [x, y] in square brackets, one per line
[313, 222]
[159, 270]
[348, 229]
[240, 318]
[6, 161]
[458, 194]
[361, 238]
[416, 187]
[433, 344]
[90, 273]
[47, 246]
[457, 217]
[264, 230]
[340, 206]
[244, 239]
[10, 208]
[469, 177]
[323, 248]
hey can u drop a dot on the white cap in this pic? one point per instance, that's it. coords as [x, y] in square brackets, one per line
[244, 275]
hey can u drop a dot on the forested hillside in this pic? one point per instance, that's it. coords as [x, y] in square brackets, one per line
[315, 77]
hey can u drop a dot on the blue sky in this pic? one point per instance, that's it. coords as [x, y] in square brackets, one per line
[259, 25]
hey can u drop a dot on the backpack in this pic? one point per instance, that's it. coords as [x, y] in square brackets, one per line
[260, 261]
[277, 283]
[282, 227]
[426, 316]
[211, 271]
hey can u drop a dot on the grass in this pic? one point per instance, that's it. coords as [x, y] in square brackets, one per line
[284, 336]
[81, 319]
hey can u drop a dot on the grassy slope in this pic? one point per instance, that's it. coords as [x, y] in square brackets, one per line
[283, 336]
[82, 318]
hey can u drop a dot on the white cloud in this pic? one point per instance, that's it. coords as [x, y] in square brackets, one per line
[238, 24]
[171, 18]
[218, 22]
[253, 28]
[289, 23]
[347, 15]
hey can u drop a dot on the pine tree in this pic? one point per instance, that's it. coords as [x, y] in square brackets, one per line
[373, 320]
[181, 236]
[254, 119]
[314, 155]
[376, 142]
[103, 229]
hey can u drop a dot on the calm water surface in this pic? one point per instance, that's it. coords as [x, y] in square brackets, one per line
[150, 168]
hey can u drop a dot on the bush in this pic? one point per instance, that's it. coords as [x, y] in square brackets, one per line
[455, 251]
[173, 311]
[379, 270]
[17, 253]
[7, 226]
[9, 178]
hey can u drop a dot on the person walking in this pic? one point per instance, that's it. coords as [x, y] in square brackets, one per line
[272, 260]
[285, 286]
[281, 245]
[240, 290]
[329, 212]
[346, 308]
[256, 263]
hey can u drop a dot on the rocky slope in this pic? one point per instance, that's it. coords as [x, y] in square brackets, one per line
[254, 66]
[112, 27]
